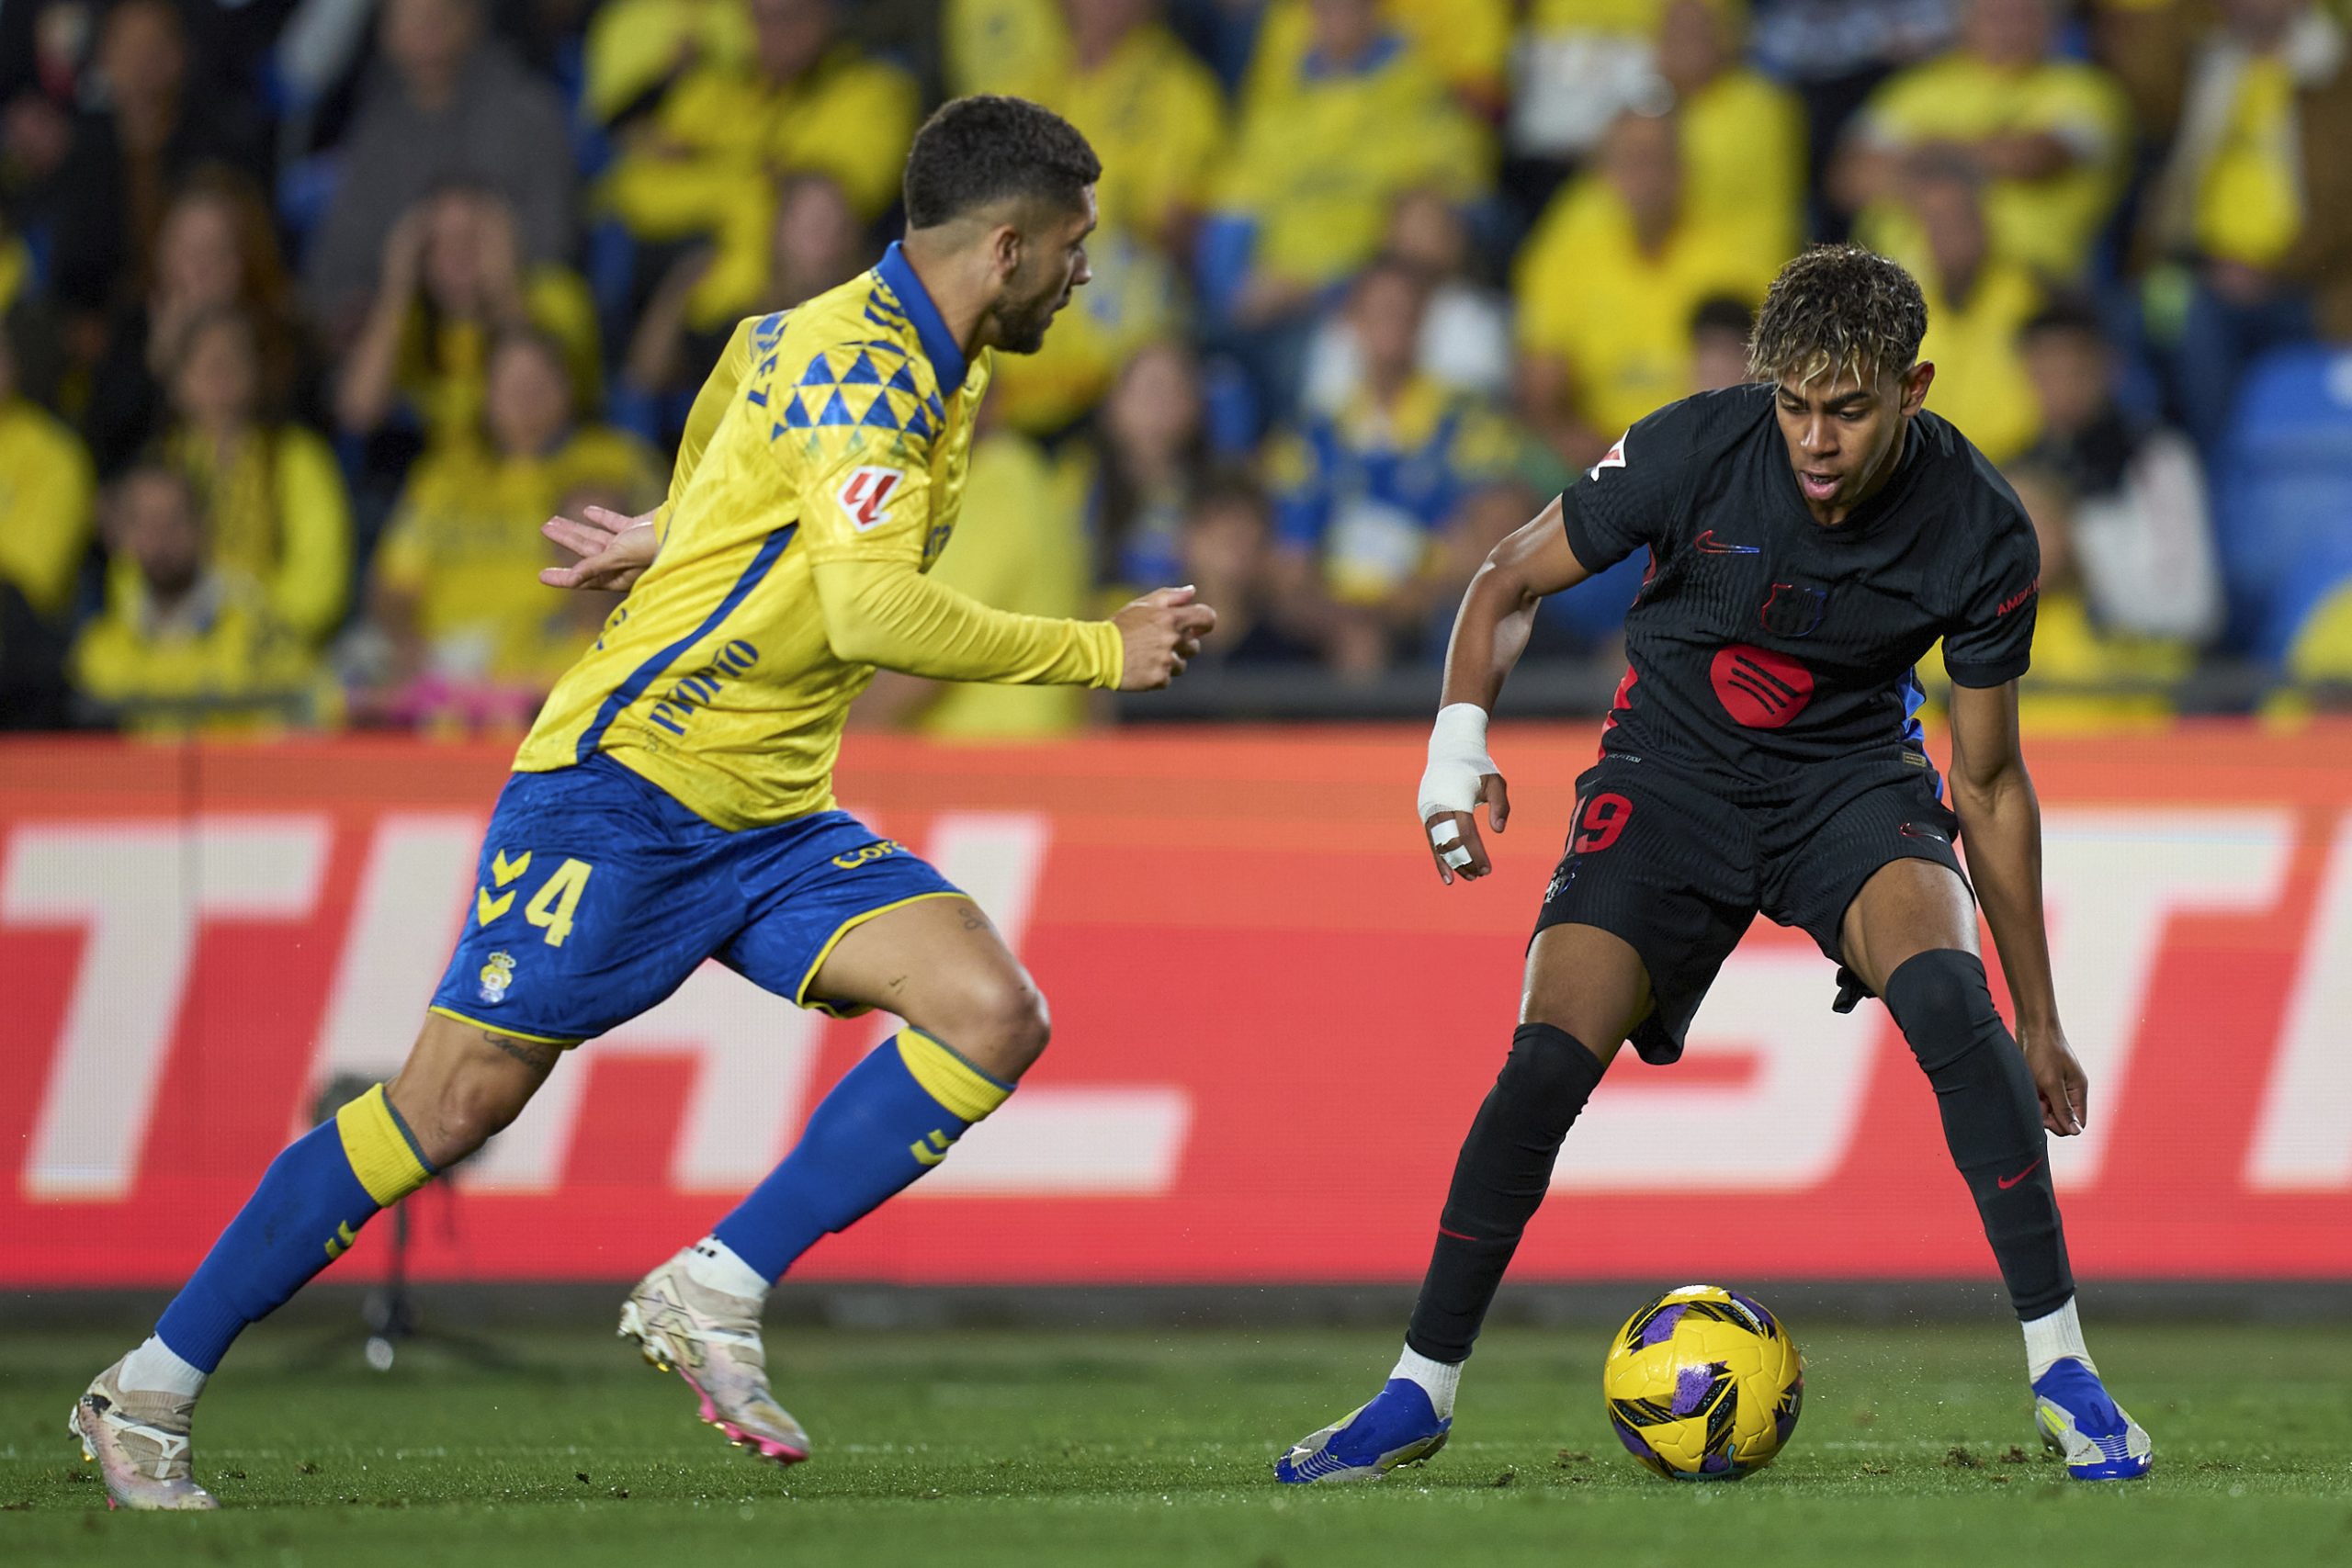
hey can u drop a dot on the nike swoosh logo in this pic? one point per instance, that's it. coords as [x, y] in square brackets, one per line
[1705, 545]
[2006, 1182]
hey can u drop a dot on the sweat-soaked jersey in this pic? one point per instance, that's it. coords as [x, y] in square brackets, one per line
[1762, 642]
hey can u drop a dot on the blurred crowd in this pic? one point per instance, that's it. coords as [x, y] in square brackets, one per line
[315, 308]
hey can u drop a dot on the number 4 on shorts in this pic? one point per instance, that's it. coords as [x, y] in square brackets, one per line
[552, 907]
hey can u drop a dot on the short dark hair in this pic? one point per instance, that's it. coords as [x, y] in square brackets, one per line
[2068, 312]
[977, 151]
[1722, 313]
[1835, 310]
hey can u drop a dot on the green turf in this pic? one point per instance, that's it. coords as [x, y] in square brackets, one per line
[983, 1448]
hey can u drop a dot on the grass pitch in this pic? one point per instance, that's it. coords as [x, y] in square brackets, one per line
[1154, 1447]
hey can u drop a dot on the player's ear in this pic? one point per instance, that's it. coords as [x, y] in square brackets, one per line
[1915, 383]
[1005, 242]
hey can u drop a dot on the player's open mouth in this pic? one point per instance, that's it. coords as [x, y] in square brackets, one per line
[1817, 487]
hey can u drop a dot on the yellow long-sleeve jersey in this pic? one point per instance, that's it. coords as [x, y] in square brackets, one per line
[822, 476]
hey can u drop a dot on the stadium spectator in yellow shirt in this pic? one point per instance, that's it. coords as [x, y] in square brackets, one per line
[816, 245]
[187, 643]
[1978, 302]
[1581, 64]
[1743, 134]
[452, 598]
[2256, 199]
[1002, 46]
[1362, 495]
[44, 494]
[1020, 546]
[705, 166]
[1150, 108]
[1317, 167]
[637, 50]
[1608, 285]
[2050, 137]
[274, 508]
[453, 280]
[1466, 42]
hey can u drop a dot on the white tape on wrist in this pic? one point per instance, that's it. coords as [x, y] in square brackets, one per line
[1458, 761]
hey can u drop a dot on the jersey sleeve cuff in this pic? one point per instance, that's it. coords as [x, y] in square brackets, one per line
[1982, 675]
[1590, 552]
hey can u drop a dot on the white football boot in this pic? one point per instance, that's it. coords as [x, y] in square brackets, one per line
[712, 1340]
[140, 1442]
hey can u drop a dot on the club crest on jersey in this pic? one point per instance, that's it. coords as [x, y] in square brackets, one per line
[866, 496]
[496, 975]
[1612, 459]
[1791, 610]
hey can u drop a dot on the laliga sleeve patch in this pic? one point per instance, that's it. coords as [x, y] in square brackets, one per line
[1612, 459]
[866, 496]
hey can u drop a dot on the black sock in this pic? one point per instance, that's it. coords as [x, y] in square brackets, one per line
[1505, 1167]
[1991, 1119]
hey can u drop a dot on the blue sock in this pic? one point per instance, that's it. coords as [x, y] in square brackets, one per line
[891, 1118]
[307, 1212]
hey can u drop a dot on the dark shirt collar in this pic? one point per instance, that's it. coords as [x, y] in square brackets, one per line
[946, 357]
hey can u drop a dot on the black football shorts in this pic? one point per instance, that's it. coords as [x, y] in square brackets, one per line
[1677, 865]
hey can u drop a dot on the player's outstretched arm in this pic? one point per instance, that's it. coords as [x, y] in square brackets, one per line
[614, 549]
[889, 615]
[2000, 828]
[1490, 632]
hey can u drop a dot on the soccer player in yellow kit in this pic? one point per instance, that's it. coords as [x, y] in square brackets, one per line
[674, 803]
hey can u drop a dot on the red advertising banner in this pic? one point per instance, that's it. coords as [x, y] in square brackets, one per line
[1272, 1024]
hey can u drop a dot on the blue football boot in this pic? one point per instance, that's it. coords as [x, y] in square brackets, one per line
[1400, 1427]
[2080, 1421]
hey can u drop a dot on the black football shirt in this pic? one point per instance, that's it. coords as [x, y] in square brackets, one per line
[1763, 643]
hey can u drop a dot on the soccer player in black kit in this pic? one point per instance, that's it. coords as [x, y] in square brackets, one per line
[1810, 536]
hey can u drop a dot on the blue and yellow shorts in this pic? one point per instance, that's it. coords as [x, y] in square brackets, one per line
[599, 894]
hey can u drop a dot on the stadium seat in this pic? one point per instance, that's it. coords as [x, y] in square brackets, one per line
[2283, 493]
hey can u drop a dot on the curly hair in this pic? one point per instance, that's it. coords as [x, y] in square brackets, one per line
[1834, 310]
[978, 150]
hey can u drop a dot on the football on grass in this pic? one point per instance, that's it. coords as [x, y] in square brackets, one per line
[1703, 1385]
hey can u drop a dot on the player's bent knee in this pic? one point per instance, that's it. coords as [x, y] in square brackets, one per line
[1547, 1066]
[1000, 1024]
[1944, 1006]
[460, 1113]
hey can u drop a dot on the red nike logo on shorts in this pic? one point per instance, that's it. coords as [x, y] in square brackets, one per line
[2006, 1182]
